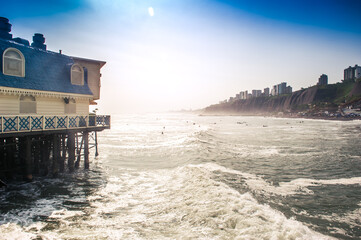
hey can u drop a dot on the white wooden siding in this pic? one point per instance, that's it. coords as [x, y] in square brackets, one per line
[9, 105]
[82, 107]
[50, 106]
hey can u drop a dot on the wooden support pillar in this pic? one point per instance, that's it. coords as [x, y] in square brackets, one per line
[86, 149]
[26, 158]
[71, 151]
[3, 164]
[56, 155]
[36, 155]
[10, 149]
[96, 144]
[78, 151]
[18, 156]
[63, 153]
[29, 163]
[45, 152]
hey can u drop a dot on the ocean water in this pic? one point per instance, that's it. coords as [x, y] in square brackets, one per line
[183, 176]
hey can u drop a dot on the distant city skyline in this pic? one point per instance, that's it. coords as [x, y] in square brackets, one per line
[172, 55]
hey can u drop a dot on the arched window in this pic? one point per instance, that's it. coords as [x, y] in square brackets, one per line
[77, 75]
[13, 63]
[27, 104]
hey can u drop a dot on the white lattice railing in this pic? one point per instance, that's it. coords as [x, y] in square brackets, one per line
[28, 123]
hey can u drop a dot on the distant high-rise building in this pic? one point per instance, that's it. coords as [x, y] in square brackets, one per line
[323, 80]
[244, 94]
[282, 88]
[241, 95]
[266, 92]
[256, 93]
[351, 73]
[288, 90]
[358, 72]
[274, 91]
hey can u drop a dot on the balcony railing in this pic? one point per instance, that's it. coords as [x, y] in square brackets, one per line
[28, 123]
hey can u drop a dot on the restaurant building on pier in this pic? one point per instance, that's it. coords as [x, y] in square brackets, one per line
[45, 124]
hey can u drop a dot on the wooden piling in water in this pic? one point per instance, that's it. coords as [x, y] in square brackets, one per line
[43, 154]
[78, 150]
[63, 153]
[86, 149]
[56, 155]
[9, 158]
[36, 155]
[71, 151]
[25, 155]
[3, 167]
[96, 144]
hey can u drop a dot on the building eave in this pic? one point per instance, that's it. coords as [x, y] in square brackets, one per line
[21, 91]
[101, 63]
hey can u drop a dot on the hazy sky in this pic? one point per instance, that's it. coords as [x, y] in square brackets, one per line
[173, 54]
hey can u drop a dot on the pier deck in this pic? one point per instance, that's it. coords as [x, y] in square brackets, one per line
[48, 144]
[22, 125]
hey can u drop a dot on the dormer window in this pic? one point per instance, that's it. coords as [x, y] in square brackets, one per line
[13, 63]
[77, 75]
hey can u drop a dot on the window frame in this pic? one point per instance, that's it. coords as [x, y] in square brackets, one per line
[82, 74]
[22, 59]
[25, 99]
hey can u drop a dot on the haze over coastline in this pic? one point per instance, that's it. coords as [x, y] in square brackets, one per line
[191, 54]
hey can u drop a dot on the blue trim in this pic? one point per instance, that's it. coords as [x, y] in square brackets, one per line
[72, 121]
[61, 122]
[24, 123]
[36, 123]
[50, 122]
[10, 124]
[82, 121]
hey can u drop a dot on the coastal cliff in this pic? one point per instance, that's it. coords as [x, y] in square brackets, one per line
[325, 98]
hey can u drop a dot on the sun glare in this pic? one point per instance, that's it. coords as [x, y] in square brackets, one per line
[151, 11]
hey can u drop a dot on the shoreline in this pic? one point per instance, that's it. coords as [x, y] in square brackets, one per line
[285, 115]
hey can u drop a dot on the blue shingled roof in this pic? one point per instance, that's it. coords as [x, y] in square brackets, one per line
[44, 70]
